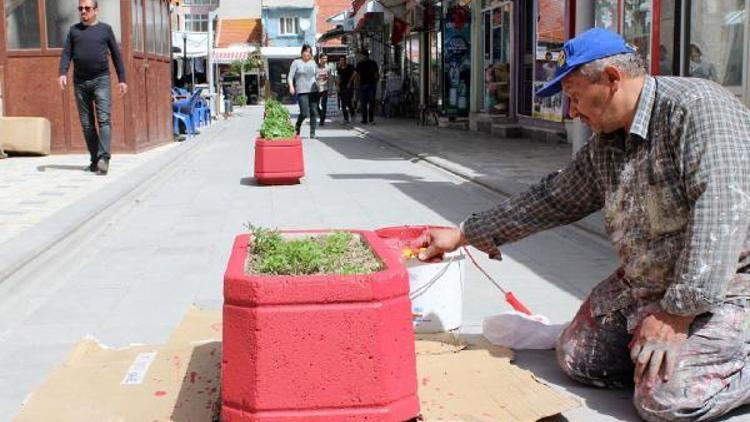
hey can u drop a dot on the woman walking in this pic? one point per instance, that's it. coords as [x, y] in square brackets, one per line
[302, 83]
[323, 77]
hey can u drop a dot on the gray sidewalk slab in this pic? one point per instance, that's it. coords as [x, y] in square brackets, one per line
[130, 273]
[506, 165]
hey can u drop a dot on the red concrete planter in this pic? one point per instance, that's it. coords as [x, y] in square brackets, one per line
[279, 162]
[318, 348]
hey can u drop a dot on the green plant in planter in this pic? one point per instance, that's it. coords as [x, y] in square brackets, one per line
[332, 253]
[277, 123]
[239, 100]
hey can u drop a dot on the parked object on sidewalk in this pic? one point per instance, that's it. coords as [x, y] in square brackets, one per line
[26, 135]
[517, 330]
[318, 347]
[435, 288]
[278, 151]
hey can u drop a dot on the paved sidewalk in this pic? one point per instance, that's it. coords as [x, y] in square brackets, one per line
[505, 165]
[43, 199]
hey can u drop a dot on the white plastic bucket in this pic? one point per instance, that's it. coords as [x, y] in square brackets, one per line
[436, 293]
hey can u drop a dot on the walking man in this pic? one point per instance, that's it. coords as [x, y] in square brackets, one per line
[89, 44]
[366, 74]
[669, 163]
[344, 72]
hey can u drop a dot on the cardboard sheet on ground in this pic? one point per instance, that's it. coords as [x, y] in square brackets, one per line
[179, 381]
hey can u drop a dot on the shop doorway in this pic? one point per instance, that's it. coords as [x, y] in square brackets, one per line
[497, 57]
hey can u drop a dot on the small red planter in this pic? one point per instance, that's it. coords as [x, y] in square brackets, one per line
[318, 348]
[279, 162]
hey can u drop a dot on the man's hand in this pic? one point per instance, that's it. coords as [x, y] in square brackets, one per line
[291, 89]
[63, 81]
[439, 241]
[656, 344]
[123, 88]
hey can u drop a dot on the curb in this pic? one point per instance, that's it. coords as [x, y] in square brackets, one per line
[23, 248]
[593, 224]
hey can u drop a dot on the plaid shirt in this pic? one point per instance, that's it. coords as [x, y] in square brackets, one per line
[675, 191]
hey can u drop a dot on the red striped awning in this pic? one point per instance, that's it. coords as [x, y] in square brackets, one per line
[229, 55]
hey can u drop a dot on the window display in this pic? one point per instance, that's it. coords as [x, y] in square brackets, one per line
[717, 50]
[497, 48]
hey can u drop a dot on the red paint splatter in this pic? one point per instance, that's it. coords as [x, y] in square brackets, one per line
[192, 377]
[160, 393]
[213, 390]
[213, 352]
[216, 326]
[425, 381]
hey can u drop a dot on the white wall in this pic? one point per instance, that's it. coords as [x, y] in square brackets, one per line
[238, 9]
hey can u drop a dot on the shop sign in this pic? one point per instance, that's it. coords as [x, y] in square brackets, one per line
[457, 61]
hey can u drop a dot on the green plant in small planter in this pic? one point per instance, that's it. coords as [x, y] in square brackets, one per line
[277, 122]
[326, 253]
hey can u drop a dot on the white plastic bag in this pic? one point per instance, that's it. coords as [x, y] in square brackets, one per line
[517, 330]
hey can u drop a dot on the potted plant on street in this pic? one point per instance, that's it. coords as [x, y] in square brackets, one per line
[317, 325]
[278, 151]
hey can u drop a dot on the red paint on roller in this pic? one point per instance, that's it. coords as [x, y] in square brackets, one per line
[318, 348]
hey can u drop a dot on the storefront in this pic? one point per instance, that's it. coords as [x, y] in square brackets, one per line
[516, 49]
[697, 38]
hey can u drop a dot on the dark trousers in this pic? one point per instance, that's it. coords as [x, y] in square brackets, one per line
[94, 100]
[323, 108]
[345, 96]
[367, 100]
[308, 107]
[711, 377]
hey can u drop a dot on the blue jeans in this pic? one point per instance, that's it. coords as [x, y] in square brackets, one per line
[308, 107]
[94, 97]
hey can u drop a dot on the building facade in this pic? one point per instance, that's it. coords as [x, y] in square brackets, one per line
[33, 34]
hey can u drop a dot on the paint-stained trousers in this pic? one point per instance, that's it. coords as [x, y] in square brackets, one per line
[712, 375]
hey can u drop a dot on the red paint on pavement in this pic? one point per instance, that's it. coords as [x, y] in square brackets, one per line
[160, 393]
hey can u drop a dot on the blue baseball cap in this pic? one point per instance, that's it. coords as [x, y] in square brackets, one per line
[588, 46]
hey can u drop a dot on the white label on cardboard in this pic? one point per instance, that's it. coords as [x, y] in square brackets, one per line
[137, 371]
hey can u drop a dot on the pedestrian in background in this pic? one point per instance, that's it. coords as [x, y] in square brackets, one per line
[366, 75]
[323, 79]
[89, 44]
[344, 72]
[302, 83]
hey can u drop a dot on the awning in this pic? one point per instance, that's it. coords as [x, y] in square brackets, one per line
[197, 43]
[280, 52]
[227, 55]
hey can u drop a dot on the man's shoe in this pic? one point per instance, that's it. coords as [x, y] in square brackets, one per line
[92, 167]
[102, 166]
[363, 122]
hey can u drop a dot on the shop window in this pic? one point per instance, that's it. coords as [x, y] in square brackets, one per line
[61, 15]
[22, 24]
[137, 19]
[606, 15]
[717, 49]
[151, 26]
[166, 32]
[550, 38]
[109, 13]
[158, 19]
[667, 63]
[636, 28]
[496, 24]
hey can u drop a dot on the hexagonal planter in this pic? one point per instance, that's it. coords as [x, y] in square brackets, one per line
[279, 161]
[318, 348]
